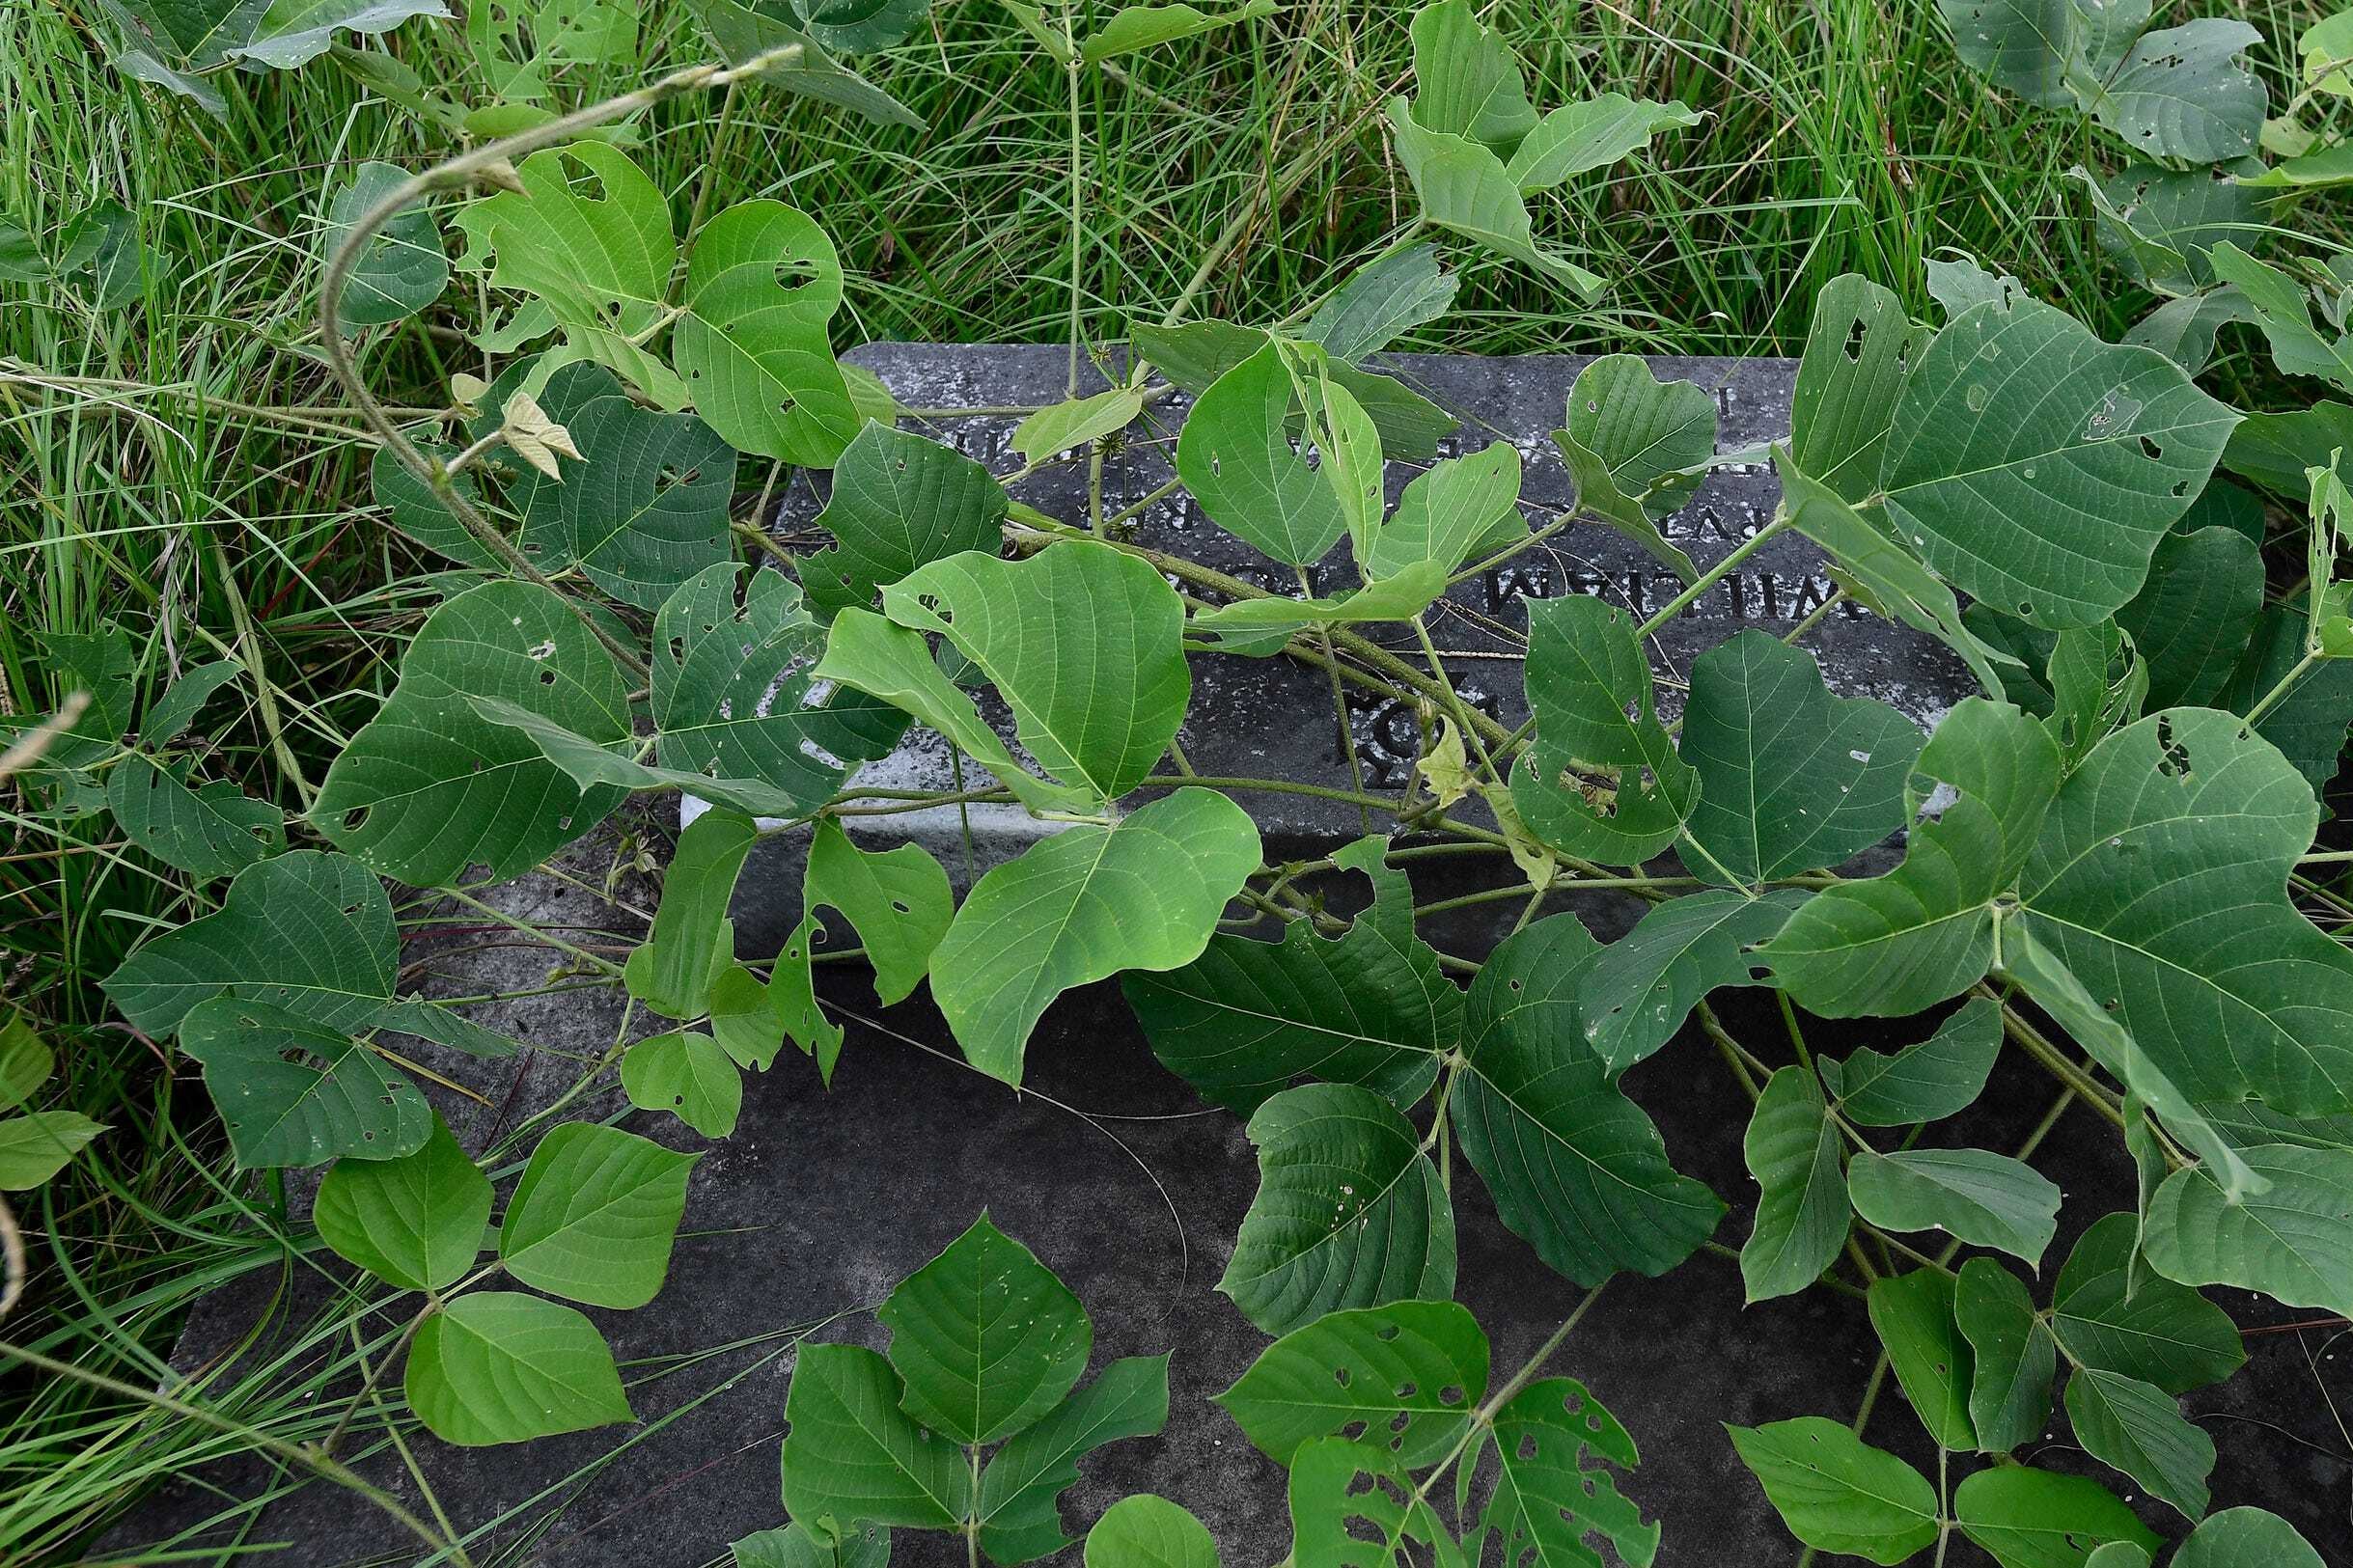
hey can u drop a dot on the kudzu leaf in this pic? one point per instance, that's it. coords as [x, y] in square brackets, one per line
[37, 1146]
[1898, 943]
[1464, 188]
[2009, 1388]
[1148, 1531]
[853, 1454]
[2184, 330]
[1467, 80]
[985, 1337]
[753, 348]
[1835, 1492]
[334, 1097]
[645, 510]
[2308, 721]
[1643, 986]
[2022, 46]
[600, 263]
[860, 26]
[2192, 621]
[898, 899]
[2036, 467]
[1353, 1505]
[2293, 1242]
[1135, 28]
[402, 268]
[1790, 777]
[1019, 1509]
[1193, 356]
[2147, 212]
[416, 1222]
[2135, 1427]
[1578, 138]
[1940, 1076]
[1085, 904]
[1381, 300]
[692, 938]
[591, 767]
[1080, 422]
[172, 714]
[1349, 1211]
[1458, 510]
[531, 497]
[798, 1546]
[423, 790]
[1235, 458]
[1028, 624]
[2246, 1538]
[500, 1366]
[308, 932]
[758, 28]
[1956, 282]
[1984, 1199]
[1637, 448]
[687, 1074]
[1576, 1169]
[1913, 1314]
[1395, 599]
[2029, 1518]
[752, 1021]
[1603, 780]
[1859, 348]
[593, 1216]
[292, 33]
[1247, 1019]
[2185, 93]
[213, 830]
[899, 502]
[1411, 1372]
[2112, 1311]
[26, 1061]
[1802, 1212]
[1550, 1494]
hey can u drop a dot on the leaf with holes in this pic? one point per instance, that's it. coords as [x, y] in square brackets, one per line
[1637, 448]
[753, 346]
[1551, 1491]
[293, 1091]
[898, 899]
[593, 1216]
[1835, 1492]
[416, 1222]
[1859, 348]
[752, 1021]
[2185, 93]
[1019, 1510]
[1353, 1505]
[687, 1074]
[1405, 1376]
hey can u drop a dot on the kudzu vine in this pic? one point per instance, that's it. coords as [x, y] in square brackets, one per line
[2108, 861]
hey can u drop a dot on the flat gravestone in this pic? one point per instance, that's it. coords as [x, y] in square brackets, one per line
[1109, 1166]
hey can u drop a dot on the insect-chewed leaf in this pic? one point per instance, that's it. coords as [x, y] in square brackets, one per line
[1235, 458]
[1458, 510]
[692, 938]
[1083, 905]
[2160, 223]
[898, 899]
[402, 268]
[1802, 1212]
[1385, 297]
[899, 502]
[1248, 1019]
[1913, 1316]
[1574, 1165]
[425, 789]
[2010, 1389]
[1643, 986]
[2137, 1428]
[308, 932]
[1354, 1506]
[293, 1091]
[1938, 1077]
[2036, 467]
[500, 1366]
[1984, 1199]
[2185, 93]
[1790, 777]
[1029, 625]
[212, 830]
[1148, 1531]
[1349, 1211]
[1603, 780]
[1637, 448]
[2246, 1538]
[1550, 1494]
[416, 1222]
[1019, 1510]
[2293, 1242]
[1411, 1373]
[595, 1214]
[1858, 351]
[646, 508]
[853, 1454]
[2027, 1518]
[752, 1021]
[753, 346]
[1835, 1492]
[2112, 1311]
[985, 1337]
[687, 1074]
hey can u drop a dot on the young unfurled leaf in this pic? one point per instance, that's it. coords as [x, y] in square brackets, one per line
[1637, 448]
[1603, 781]
[1790, 777]
[1413, 1370]
[687, 1074]
[2137, 1428]
[1083, 905]
[2009, 1390]
[1146, 1531]
[400, 271]
[2113, 1312]
[1380, 300]
[985, 1337]
[1984, 1199]
[1836, 1493]
[853, 1454]
[1643, 986]
[2030, 1517]
[212, 830]
[415, 1221]
[753, 347]
[1372, 1006]
[593, 1216]
[425, 789]
[500, 1366]
[1802, 1212]
[1349, 1211]
[2293, 1242]
[899, 502]
[333, 1097]
[1019, 1511]
[1913, 1314]
[1940, 1076]
[692, 938]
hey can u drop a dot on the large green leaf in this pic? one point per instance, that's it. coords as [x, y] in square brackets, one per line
[1836, 1493]
[2030, 1517]
[898, 899]
[37, 1146]
[293, 1091]
[416, 1222]
[2246, 1538]
[692, 938]
[1637, 447]
[308, 932]
[753, 347]
[2112, 1311]
[1802, 1212]
[899, 502]
[1353, 1505]
[798, 1546]
[1915, 1317]
[1858, 350]
[1550, 1494]
[2009, 1390]
[647, 507]
[1148, 1531]
[1085, 904]
[1642, 987]
[2192, 621]
[1576, 1169]
[2135, 1427]
[1247, 1019]
[2295, 1242]
[1603, 780]
[1385, 297]
[1083, 641]
[425, 789]
[853, 1454]
[1790, 777]
[756, 28]
[500, 1366]
[1455, 510]
[595, 1214]
[1467, 80]
[1984, 1199]
[2036, 467]
[985, 1337]
[1940, 1076]
[1235, 458]
[1465, 187]
[1413, 1370]
[1349, 1211]
[2022, 46]
[1019, 1514]
[212, 830]
[401, 269]
[2185, 93]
